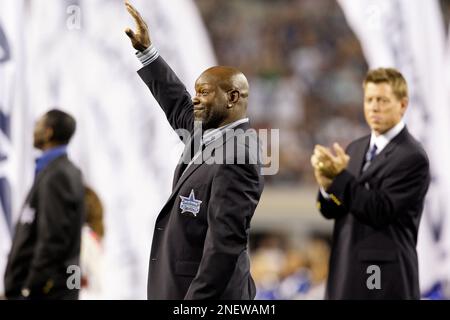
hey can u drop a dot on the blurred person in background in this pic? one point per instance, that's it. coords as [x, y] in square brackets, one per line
[92, 255]
[48, 235]
[268, 261]
[375, 193]
[288, 272]
[199, 247]
[317, 254]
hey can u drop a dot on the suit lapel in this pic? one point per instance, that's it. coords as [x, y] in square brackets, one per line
[186, 156]
[357, 157]
[383, 156]
[177, 174]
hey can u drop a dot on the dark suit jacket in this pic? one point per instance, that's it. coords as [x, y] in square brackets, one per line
[203, 255]
[48, 234]
[377, 215]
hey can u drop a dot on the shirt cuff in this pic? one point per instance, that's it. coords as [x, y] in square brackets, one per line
[324, 194]
[148, 55]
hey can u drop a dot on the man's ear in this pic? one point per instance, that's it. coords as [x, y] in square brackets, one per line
[48, 134]
[233, 96]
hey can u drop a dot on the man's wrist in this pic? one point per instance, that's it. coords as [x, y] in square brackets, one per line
[25, 292]
[324, 194]
[148, 55]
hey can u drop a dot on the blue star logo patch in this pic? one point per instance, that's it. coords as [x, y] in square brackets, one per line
[190, 204]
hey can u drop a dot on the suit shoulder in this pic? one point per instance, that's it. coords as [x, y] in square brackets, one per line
[66, 165]
[64, 170]
[413, 149]
[246, 146]
[363, 140]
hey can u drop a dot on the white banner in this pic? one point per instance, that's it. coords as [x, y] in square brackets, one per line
[14, 117]
[410, 35]
[80, 60]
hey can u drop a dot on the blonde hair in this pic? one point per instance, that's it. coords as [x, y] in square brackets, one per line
[391, 76]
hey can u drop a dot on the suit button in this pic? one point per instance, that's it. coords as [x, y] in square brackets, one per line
[159, 229]
[153, 259]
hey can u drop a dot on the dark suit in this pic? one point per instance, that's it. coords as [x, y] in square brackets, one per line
[377, 215]
[48, 234]
[202, 255]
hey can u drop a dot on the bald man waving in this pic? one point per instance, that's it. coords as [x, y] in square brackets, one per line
[200, 241]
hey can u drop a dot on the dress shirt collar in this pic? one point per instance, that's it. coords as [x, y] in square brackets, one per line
[48, 156]
[213, 134]
[383, 139]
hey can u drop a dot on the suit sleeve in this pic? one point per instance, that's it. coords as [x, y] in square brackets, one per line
[57, 208]
[170, 93]
[398, 192]
[235, 193]
[330, 208]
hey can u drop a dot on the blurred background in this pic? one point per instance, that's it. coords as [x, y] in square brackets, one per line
[305, 60]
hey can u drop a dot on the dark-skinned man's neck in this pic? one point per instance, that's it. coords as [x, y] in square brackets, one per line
[231, 120]
[50, 145]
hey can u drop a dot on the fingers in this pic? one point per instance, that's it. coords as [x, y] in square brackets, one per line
[339, 151]
[323, 153]
[130, 33]
[132, 10]
[318, 152]
[322, 159]
[319, 166]
[136, 15]
[315, 164]
[315, 161]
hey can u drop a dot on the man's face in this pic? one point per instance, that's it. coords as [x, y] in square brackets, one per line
[210, 101]
[382, 109]
[41, 133]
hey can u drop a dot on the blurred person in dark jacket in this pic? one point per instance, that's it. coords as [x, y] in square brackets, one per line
[48, 234]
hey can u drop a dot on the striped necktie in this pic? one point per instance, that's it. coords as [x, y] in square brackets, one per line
[369, 157]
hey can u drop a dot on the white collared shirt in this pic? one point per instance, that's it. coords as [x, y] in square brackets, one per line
[213, 134]
[383, 139]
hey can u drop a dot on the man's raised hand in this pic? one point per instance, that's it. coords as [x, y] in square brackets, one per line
[140, 38]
